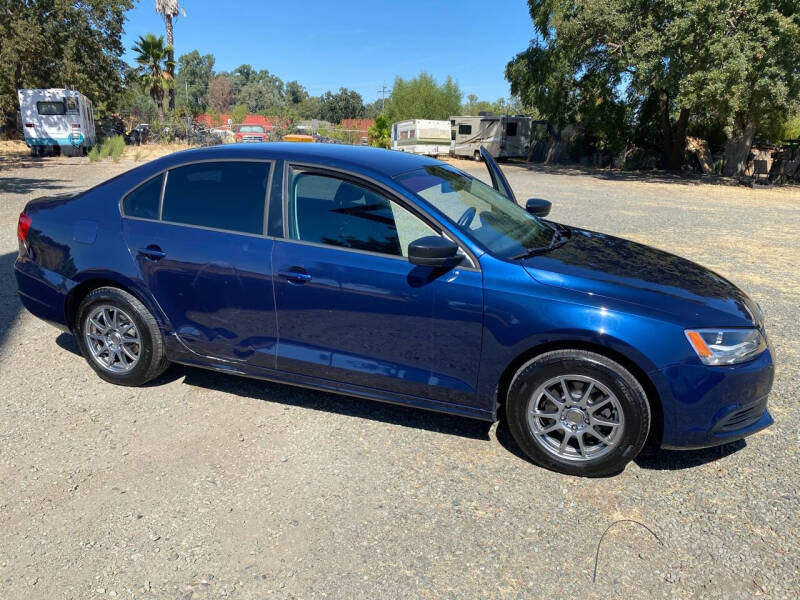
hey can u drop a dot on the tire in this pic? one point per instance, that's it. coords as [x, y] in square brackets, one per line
[124, 310]
[604, 431]
[477, 156]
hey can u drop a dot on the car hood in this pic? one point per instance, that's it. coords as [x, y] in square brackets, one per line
[612, 267]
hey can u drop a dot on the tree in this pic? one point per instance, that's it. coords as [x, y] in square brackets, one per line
[220, 93]
[423, 98]
[238, 113]
[169, 9]
[53, 43]
[345, 104]
[378, 134]
[649, 66]
[195, 72]
[295, 93]
[153, 59]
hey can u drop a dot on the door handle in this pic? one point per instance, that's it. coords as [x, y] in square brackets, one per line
[152, 252]
[295, 275]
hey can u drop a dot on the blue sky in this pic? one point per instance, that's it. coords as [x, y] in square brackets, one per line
[359, 45]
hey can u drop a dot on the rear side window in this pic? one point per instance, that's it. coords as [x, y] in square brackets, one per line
[464, 129]
[50, 108]
[511, 129]
[224, 195]
[143, 201]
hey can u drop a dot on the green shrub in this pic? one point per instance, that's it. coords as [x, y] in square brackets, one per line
[94, 154]
[112, 147]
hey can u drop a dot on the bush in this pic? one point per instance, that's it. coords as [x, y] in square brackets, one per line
[111, 147]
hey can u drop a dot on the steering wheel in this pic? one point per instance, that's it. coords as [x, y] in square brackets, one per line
[465, 219]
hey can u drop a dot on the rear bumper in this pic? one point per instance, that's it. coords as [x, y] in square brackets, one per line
[708, 406]
[42, 292]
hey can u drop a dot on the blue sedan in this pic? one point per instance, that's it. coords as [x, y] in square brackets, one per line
[399, 278]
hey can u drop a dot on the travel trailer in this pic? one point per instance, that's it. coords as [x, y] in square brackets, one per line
[421, 136]
[57, 121]
[502, 135]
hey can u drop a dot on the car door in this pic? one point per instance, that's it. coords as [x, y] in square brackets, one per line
[197, 235]
[499, 181]
[351, 308]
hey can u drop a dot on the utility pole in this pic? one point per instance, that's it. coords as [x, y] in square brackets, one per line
[383, 96]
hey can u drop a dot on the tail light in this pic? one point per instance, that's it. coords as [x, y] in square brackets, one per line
[76, 126]
[23, 225]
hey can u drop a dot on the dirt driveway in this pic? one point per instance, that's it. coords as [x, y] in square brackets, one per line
[209, 486]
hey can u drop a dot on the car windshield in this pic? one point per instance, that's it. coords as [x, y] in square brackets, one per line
[504, 228]
[251, 129]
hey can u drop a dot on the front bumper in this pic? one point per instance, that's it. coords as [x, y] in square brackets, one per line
[708, 406]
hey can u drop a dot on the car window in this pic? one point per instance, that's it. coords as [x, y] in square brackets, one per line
[329, 210]
[503, 227]
[224, 195]
[143, 201]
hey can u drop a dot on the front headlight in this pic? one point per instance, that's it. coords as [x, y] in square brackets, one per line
[717, 347]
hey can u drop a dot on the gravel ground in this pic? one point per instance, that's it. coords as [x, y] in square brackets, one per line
[203, 485]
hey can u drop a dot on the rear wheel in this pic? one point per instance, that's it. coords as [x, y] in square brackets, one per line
[119, 337]
[578, 413]
[477, 155]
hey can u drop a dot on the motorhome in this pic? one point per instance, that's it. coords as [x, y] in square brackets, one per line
[503, 136]
[421, 136]
[57, 121]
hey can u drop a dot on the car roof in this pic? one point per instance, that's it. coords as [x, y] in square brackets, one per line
[377, 160]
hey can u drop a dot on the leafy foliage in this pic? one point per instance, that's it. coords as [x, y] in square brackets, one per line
[379, 134]
[346, 104]
[423, 98]
[650, 69]
[153, 58]
[56, 43]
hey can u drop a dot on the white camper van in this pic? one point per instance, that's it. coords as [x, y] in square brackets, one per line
[57, 121]
[504, 136]
[421, 136]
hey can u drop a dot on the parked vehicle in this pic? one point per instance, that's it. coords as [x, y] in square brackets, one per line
[422, 136]
[251, 133]
[399, 278]
[139, 135]
[502, 135]
[57, 121]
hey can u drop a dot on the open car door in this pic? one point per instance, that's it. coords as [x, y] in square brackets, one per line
[499, 181]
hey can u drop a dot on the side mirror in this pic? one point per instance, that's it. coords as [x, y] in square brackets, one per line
[434, 251]
[538, 207]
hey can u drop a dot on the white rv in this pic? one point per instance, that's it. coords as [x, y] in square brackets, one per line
[502, 135]
[421, 136]
[57, 121]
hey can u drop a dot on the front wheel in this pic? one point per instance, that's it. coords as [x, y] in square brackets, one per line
[119, 337]
[578, 413]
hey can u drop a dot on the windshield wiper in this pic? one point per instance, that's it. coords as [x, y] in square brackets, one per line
[560, 236]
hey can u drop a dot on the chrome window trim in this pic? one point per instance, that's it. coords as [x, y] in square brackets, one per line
[165, 172]
[382, 189]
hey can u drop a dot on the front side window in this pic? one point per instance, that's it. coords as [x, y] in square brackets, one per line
[465, 130]
[328, 210]
[501, 226]
[223, 195]
[143, 201]
[50, 108]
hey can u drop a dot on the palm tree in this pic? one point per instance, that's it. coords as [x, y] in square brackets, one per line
[169, 9]
[154, 62]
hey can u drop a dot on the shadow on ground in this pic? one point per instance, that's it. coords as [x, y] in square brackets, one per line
[310, 399]
[25, 185]
[10, 305]
[631, 176]
[650, 458]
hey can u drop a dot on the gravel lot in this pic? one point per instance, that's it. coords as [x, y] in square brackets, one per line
[203, 485]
